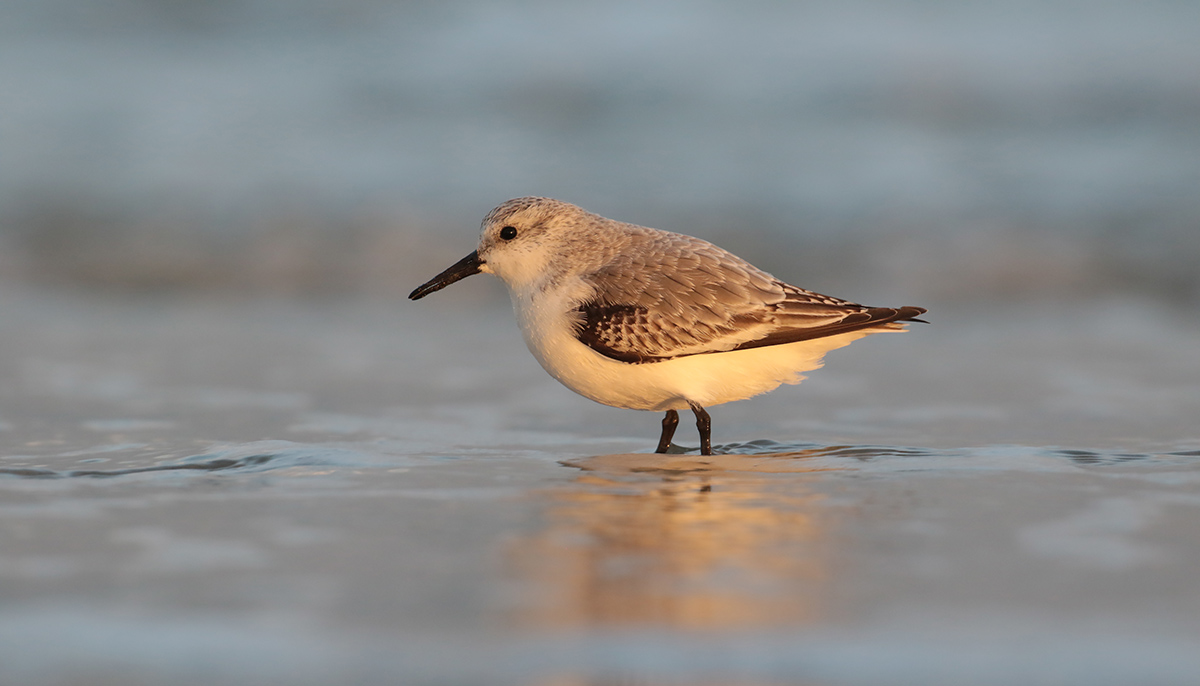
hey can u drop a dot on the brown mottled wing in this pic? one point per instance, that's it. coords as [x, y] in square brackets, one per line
[675, 295]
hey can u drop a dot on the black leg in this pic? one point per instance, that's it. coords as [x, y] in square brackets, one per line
[669, 423]
[704, 424]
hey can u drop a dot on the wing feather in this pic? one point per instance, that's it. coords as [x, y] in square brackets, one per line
[676, 295]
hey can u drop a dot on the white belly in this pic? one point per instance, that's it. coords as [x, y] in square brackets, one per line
[707, 379]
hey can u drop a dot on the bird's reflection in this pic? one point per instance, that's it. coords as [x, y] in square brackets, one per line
[682, 542]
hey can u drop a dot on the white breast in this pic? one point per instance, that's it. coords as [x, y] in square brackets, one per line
[707, 379]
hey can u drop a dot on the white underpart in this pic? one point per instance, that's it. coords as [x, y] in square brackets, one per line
[706, 379]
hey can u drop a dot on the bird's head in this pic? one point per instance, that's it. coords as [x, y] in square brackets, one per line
[522, 241]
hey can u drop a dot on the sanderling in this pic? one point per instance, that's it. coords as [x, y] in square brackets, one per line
[644, 319]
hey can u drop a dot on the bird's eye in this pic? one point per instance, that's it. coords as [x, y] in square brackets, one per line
[508, 233]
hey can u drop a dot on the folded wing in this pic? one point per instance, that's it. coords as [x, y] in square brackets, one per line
[681, 296]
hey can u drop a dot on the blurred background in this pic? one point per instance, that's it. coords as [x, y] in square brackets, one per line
[231, 452]
[926, 150]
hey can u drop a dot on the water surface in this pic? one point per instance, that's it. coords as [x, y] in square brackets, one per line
[200, 491]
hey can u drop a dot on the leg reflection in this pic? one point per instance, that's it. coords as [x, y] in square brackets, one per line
[690, 551]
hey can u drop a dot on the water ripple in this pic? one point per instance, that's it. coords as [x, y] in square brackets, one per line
[255, 457]
[769, 455]
[869, 452]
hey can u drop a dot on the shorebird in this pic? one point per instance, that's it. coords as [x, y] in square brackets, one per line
[644, 319]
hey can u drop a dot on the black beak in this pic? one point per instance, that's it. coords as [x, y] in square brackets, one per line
[459, 270]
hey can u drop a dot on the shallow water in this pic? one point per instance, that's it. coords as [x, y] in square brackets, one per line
[209, 491]
[275, 491]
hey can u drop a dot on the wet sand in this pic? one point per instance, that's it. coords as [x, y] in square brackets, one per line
[206, 491]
